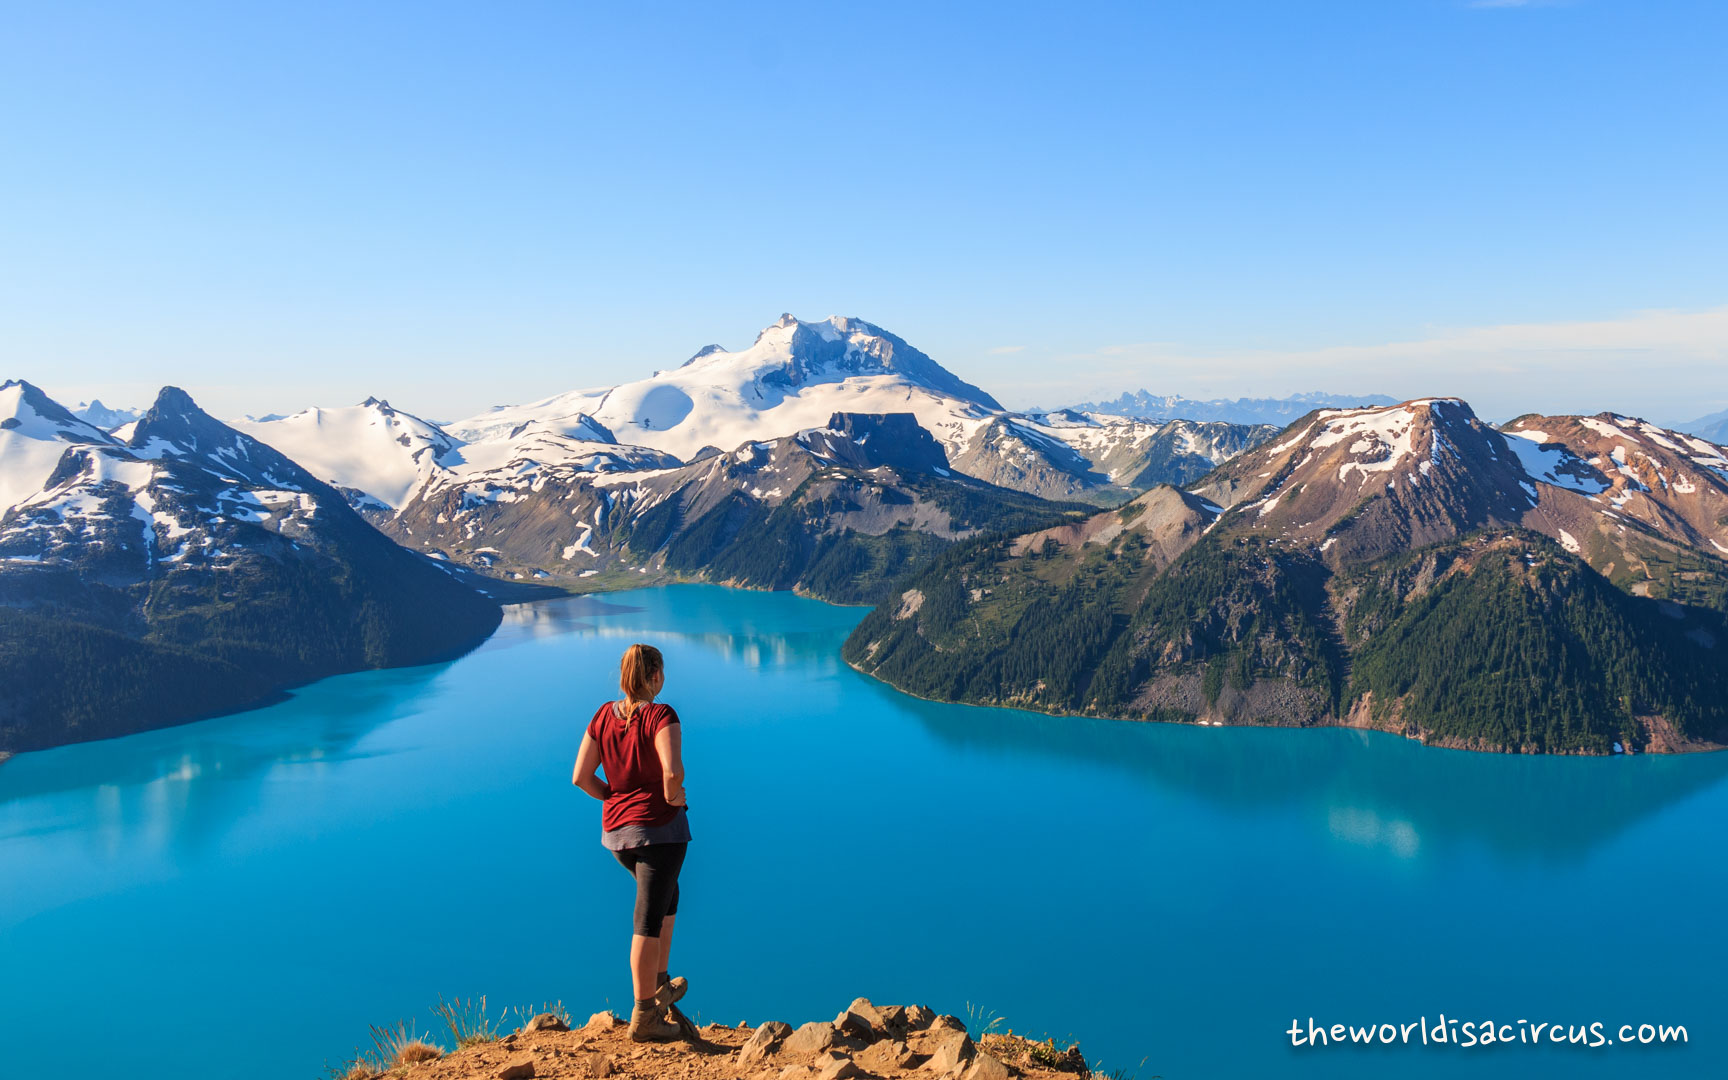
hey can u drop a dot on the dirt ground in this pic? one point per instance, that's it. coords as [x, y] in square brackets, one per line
[864, 1041]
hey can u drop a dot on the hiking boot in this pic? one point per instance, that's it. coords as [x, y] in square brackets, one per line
[671, 991]
[652, 1025]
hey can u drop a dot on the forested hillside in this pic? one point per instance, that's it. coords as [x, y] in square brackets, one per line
[1371, 568]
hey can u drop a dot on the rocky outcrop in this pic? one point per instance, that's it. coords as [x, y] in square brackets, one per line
[864, 1040]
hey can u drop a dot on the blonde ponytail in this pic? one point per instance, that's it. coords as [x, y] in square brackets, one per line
[636, 673]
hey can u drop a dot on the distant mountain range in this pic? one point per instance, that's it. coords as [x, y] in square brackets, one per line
[1103, 559]
[1713, 427]
[99, 415]
[1278, 412]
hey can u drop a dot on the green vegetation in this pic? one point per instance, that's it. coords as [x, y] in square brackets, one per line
[468, 1021]
[797, 544]
[82, 660]
[1083, 632]
[1496, 640]
[1537, 652]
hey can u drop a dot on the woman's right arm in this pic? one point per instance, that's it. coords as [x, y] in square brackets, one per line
[587, 773]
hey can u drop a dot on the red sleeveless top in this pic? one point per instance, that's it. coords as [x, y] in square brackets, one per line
[633, 768]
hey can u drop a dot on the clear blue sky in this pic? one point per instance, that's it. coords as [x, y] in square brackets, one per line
[456, 205]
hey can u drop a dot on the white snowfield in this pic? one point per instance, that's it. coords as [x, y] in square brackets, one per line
[770, 390]
[369, 447]
[1543, 460]
[393, 456]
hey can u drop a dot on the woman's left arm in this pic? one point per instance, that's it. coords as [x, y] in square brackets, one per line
[587, 773]
[669, 743]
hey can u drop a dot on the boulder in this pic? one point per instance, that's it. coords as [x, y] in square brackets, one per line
[763, 1042]
[893, 1021]
[520, 1067]
[854, 1026]
[547, 1022]
[985, 1066]
[602, 1021]
[950, 1052]
[812, 1038]
[887, 1022]
[887, 1056]
[832, 1066]
[947, 1023]
[918, 1017]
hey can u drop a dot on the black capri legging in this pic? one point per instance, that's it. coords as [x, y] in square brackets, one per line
[655, 868]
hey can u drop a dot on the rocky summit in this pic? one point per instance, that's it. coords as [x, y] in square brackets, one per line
[864, 1040]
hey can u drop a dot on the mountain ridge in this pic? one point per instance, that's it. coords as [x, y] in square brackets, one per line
[1311, 580]
[190, 570]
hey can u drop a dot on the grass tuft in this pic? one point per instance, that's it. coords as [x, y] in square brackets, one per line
[467, 1020]
[399, 1046]
[980, 1021]
[525, 1013]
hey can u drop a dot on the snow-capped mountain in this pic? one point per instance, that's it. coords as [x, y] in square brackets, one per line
[1371, 481]
[1375, 567]
[35, 432]
[836, 509]
[1145, 405]
[95, 413]
[1636, 501]
[793, 377]
[188, 568]
[1608, 482]
[381, 458]
[369, 449]
[798, 373]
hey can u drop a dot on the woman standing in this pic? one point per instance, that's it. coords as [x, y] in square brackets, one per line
[637, 741]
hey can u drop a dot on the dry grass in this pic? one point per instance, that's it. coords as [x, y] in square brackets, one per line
[468, 1021]
[416, 1052]
[394, 1047]
[525, 1013]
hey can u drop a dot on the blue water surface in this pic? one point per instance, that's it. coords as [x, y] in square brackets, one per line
[243, 896]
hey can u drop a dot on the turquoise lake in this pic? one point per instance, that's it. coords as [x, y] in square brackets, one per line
[242, 897]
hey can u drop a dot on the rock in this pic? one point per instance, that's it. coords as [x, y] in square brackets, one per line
[888, 1022]
[887, 1056]
[950, 1052]
[763, 1042]
[893, 1021]
[600, 1065]
[950, 1023]
[836, 1067]
[812, 1038]
[548, 1022]
[602, 1021]
[985, 1067]
[918, 1017]
[796, 1072]
[520, 1067]
[853, 1025]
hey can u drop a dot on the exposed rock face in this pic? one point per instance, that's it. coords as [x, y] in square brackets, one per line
[838, 511]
